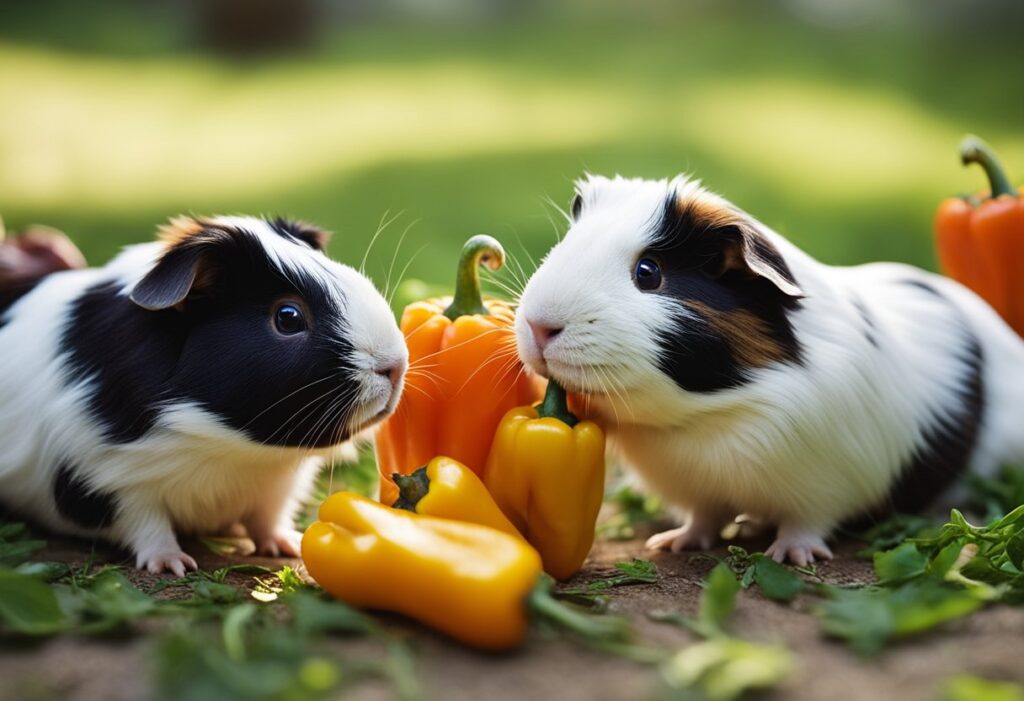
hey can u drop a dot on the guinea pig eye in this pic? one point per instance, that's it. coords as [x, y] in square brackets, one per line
[289, 319]
[647, 275]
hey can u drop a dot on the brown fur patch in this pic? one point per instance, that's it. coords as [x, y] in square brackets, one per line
[748, 336]
[180, 229]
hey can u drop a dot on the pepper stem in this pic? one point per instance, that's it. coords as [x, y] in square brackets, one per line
[411, 488]
[590, 628]
[974, 150]
[556, 405]
[479, 250]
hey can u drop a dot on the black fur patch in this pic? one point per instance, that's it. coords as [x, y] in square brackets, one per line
[690, 252]
[870, 329]
[12, 292]
[944, 452]
[300, 231]
[79, 504]
[219, 351]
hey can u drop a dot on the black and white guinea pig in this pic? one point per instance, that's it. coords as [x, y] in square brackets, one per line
[739, 375]
[195, 384]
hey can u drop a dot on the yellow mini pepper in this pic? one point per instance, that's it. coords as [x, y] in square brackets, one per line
[546, 472]
[472, 582]
[463, 579]
[448, 489]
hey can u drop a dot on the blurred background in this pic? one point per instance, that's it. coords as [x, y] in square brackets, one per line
[837, 123]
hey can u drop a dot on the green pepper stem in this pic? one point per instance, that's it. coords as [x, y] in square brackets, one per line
[479, 250]
[556, 405]
[411, 488]
[590, 628]
[974, 150]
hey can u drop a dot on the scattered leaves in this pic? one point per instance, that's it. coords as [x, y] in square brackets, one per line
[28, 605]
[725, 668]
[775, 581]
[965, 687]
[631, 509]
[722, 667]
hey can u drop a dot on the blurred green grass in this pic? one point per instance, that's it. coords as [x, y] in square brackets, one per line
[843, 140]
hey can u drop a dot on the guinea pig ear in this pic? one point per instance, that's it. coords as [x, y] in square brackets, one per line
[744, 250]
[187, 267]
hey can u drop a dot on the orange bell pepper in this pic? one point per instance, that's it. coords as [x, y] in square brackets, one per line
[980, 241]
[464, 375]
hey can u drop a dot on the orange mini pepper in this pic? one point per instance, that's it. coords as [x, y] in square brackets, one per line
[546, 472]
[980, 241]
[464, 375]
[472, 582]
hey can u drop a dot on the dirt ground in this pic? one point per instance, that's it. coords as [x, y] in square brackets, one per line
[986, 644]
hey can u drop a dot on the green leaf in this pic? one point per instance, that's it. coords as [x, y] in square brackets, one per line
[1015, 551]
[313, 614]
[965, 687]
[725, 668]
[115, 598]
[45, 571]
[16, 552]
[233, 631]
[215, 592]
[862, 617]
[775, 581]
[748, 576]
[636, 572]
[868, 618]
[893, 531]
[28, 605]
[719, 598]
[943, 561]
[900, 564]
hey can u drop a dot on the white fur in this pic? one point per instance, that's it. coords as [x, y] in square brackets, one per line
[190, 473]
[799, 447]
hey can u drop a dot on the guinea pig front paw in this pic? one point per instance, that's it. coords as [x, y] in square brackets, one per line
[176, 562]
[280, 543]
[688, 537]
[799, 546]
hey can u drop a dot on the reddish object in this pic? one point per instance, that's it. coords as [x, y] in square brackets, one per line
[980, 240]
[27, 258]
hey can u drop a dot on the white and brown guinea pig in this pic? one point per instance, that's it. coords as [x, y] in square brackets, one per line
[193, 384]
[737, 374]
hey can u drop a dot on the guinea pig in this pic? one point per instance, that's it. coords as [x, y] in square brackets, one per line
[738, 375]
[195, 384]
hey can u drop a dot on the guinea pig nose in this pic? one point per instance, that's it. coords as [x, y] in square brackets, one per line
[392, 372]
[543, 334]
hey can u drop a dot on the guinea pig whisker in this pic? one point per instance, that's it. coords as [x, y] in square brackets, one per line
[458, 345]
[619, 391]
[526, 252]
[394, 258]
[503, 286]
[300, 413]
[315, 431]
[384, 223]
[326, 422]
[565, 215]
[415, 388]
[284, 398]
[401, 276]
[436, 380]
